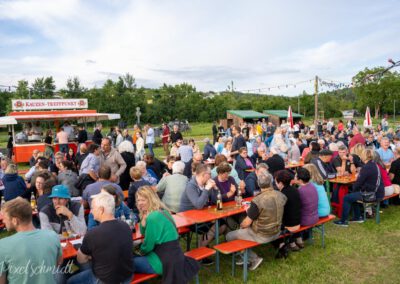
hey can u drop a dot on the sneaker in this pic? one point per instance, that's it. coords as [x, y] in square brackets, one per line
[256, 263]
[293, 247]
[300, 244]
[359, 220]
[241, 261]
[370, 215]
[207, 261]
[283, 252]
[340, 223]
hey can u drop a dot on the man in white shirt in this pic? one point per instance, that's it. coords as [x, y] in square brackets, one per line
[329, 125]
[150, 138]
[68, 129]
[385, 124]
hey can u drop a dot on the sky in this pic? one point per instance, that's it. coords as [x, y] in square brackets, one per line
[257, 44]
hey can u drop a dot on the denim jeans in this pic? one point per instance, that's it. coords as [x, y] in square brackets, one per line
[249, 235]
[348, 200]
[142, 265]
[87, 277]
[150, 145]
[64, 148]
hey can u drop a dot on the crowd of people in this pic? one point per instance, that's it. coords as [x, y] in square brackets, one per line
[247, 160]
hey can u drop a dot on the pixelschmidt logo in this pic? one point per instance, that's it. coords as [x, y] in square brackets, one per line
[33, 269]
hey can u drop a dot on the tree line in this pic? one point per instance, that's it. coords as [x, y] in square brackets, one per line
[183, 101]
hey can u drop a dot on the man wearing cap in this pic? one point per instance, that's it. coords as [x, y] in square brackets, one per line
[54, 215]
[209, 150]
[323, 164]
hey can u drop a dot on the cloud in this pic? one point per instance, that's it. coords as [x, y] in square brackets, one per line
[205, 43]
[12, 41]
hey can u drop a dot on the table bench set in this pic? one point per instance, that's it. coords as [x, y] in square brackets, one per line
[195, 218]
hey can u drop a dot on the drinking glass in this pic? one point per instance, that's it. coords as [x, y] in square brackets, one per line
[68, 227]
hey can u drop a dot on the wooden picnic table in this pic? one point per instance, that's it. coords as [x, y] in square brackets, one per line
[344, 182]
[210, 214]
[292, 165]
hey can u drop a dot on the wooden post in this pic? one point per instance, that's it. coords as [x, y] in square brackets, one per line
[316, 101]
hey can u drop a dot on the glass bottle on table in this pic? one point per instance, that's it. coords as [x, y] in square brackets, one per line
[238, 197]
[132, 221]
[33, 201]
[219, 200]
[2, 202]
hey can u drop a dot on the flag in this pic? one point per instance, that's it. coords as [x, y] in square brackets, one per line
[367, 121]
[290, 117]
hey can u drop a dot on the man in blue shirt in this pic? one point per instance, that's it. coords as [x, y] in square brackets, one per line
[385, 152]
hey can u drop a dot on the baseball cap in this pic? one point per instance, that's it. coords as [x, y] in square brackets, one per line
[60, 191]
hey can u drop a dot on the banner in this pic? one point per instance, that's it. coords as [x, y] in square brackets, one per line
[49, 104]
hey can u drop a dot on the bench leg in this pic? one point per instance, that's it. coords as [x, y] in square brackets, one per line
[365, 211]
[323, 235]
[245, 260]
[311, 237]
[197, 278]
[328, 192]
[378, 217]
[188, 240]
[233, 264]
[217, 242]
[197, 235]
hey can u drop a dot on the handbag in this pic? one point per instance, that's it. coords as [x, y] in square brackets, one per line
[370, 196]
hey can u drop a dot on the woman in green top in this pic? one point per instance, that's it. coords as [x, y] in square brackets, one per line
[160, 241]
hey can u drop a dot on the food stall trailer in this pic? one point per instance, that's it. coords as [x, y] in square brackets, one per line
[52, 111]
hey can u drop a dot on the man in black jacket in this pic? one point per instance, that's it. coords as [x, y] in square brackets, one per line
[97, 136]
[82, 135]
[323, 164]
[238, 141]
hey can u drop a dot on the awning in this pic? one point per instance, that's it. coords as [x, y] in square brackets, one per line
[80, 116]
[100, 117]
[7, 120]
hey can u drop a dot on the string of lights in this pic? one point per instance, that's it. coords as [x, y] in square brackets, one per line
[280, 86]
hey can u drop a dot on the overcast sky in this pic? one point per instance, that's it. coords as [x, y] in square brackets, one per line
[207, 43]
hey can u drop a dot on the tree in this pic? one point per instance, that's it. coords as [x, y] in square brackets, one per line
[129, 81]
[74, 88]
[43, 88]
[22, 91]
[375, 88]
